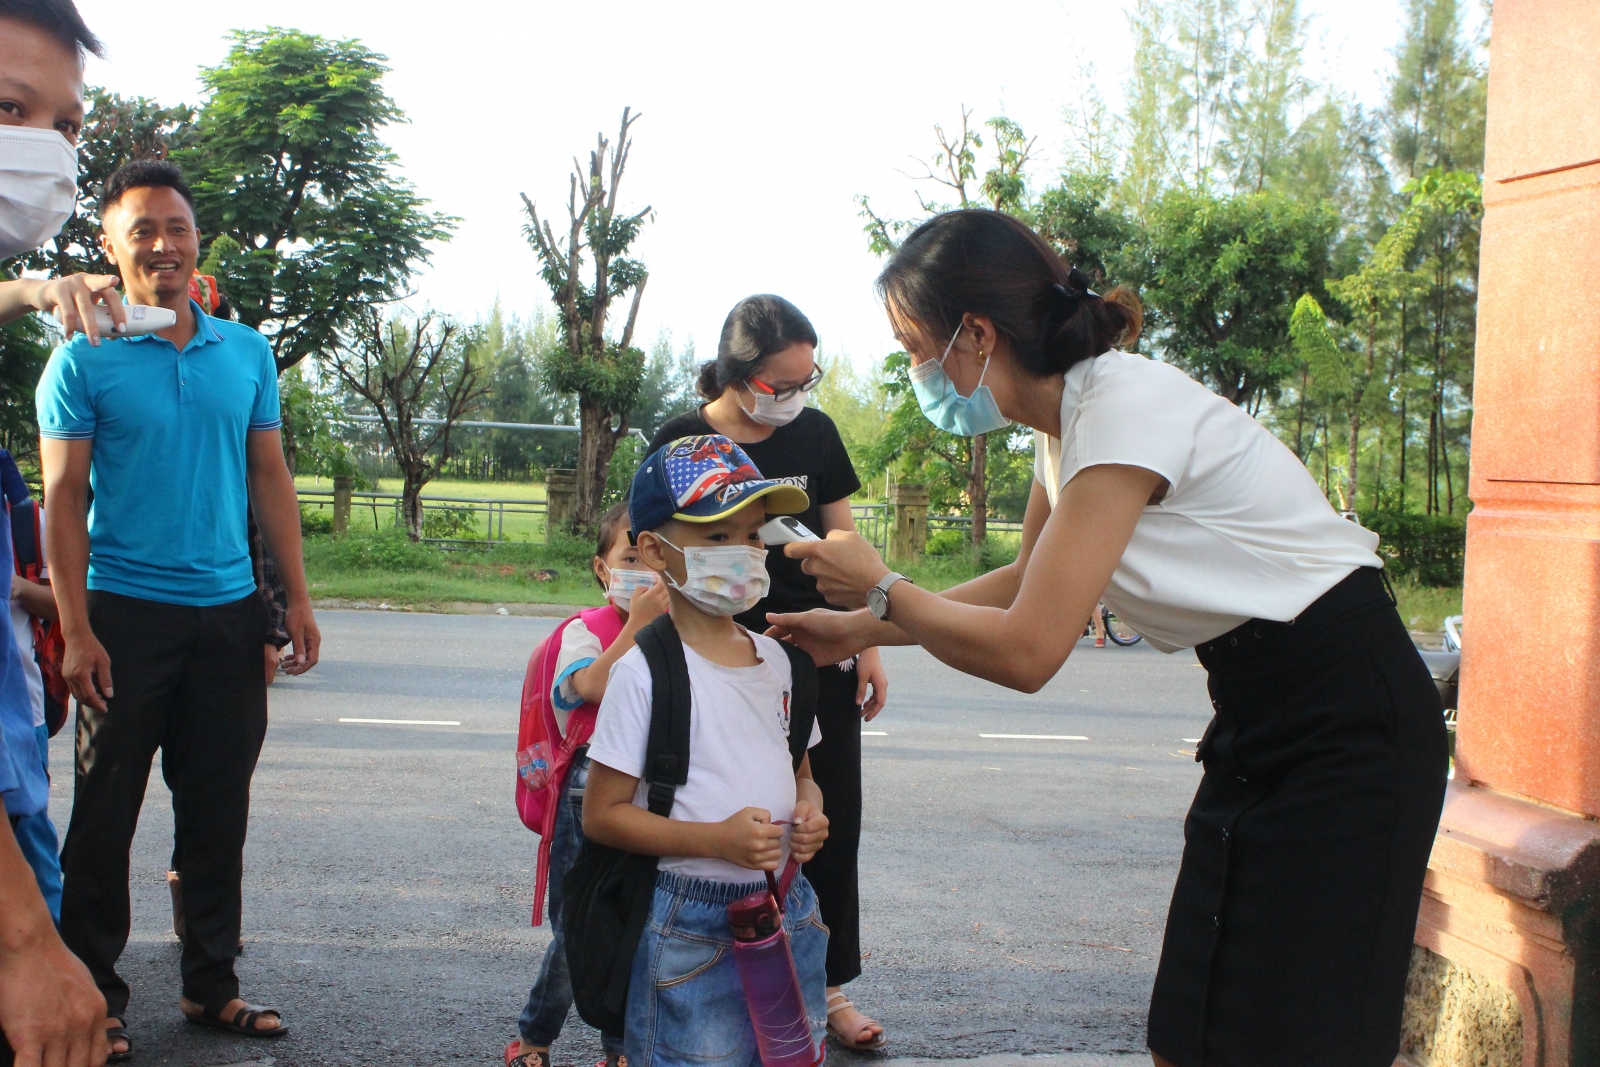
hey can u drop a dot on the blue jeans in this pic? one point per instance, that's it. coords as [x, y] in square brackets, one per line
[551, 996]
[41, 847]
[685, 1002]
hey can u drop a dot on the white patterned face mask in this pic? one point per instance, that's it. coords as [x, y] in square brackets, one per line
[624, 583]
[722, 579]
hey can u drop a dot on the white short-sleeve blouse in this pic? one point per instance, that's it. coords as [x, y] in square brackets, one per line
[1243, 532]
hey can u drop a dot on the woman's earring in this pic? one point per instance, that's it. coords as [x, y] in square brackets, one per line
[981, 358]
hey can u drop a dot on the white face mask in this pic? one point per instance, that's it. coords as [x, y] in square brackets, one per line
[770, 411]
[722, 579]
[38, 187]
[622, 584]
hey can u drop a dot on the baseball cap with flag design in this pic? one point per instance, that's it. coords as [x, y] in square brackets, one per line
[702, 479]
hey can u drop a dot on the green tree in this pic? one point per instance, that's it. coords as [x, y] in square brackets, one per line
[1003, 187]
[408, 372]
[667, 387]
[24, 347]
[605, 374]
[1221, 277]
[288, 163]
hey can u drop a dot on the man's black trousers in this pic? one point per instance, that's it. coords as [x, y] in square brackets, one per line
[188, 681]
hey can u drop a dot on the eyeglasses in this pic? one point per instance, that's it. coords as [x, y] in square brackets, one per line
[780, 395]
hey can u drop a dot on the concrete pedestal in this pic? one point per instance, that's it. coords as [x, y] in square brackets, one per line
[1513, 887]
[909, 504]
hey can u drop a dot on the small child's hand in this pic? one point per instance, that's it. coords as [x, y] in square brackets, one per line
[749, 839]
[809, 832]
[648, 604]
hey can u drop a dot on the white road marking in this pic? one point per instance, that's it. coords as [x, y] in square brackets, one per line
[1036, 737]
[1190, 740]
[874, 733]
[407, 722]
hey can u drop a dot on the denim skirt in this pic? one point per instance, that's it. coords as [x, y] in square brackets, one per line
[1289, 935]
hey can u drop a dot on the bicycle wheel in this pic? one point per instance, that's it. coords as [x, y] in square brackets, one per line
[1119, 632]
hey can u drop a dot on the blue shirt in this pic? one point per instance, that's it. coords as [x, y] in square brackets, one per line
[169, 463]
[24, 784]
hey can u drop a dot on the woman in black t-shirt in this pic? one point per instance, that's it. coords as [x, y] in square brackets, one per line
[756, 391]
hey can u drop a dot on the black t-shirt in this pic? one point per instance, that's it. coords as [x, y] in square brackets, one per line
[807, 452]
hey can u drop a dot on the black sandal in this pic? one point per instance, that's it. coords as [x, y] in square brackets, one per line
[243, 1021]
[119, 1033]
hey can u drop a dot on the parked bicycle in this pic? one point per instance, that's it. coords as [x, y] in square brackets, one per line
[1118, 631]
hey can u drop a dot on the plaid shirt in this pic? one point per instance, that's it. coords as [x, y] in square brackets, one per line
[268, 585]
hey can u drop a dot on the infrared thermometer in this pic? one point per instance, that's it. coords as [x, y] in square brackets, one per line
[785, 529]
[141, 319]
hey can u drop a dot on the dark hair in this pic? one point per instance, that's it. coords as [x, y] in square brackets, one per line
[58, 18]
[757, 327]
[143, 174]
[613, 522]
[988, 263]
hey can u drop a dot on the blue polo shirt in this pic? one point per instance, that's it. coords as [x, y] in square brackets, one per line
[168, 471]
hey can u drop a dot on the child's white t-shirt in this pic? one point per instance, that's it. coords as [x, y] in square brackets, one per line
[738, 744]
[579, 648]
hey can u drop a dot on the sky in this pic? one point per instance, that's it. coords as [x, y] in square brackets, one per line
[760, 123]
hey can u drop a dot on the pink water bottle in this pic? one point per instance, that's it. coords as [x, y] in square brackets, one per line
[771, 983]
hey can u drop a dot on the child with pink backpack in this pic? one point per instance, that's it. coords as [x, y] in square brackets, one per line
[561, 694]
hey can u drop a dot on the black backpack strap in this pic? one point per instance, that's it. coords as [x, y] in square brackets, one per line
[802, 700]
[666, 758]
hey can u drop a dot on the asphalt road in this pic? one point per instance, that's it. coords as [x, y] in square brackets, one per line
[1013, 890]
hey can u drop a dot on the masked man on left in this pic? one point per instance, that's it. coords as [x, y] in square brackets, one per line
[50, 1009]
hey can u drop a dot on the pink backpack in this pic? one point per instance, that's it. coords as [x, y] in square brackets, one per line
[543, 753]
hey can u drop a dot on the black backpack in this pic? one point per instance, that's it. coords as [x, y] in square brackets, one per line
[608, 891]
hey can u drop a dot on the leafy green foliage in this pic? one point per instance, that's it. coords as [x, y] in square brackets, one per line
[287, 162]
[1428, 549]
[24, 347]
[1221, 277]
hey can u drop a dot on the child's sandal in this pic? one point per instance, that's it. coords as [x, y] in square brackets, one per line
[525, 1059]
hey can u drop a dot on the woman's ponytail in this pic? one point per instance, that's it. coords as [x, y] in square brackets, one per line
[988, 263]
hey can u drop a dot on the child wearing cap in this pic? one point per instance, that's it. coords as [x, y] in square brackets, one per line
[696, 507]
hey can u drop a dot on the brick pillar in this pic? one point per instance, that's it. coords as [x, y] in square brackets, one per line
[1514, 881]
[560, 500]
[909, 505]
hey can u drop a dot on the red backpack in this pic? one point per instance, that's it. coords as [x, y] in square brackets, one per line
[543, 753]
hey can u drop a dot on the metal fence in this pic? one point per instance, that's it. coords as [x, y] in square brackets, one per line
[872, 523]
[445, 520]
[468, 521]
[963, 524]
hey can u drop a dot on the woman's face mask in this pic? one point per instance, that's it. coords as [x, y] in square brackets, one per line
[38, 187]
[722, 579]
[769, 410]
[966, 416]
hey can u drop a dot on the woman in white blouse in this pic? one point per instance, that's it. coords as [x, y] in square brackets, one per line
[1290, 927]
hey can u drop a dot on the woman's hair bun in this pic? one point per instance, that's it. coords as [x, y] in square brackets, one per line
[990, 264]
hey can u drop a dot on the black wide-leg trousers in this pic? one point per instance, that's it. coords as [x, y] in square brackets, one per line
[187, 680]
[832, 872]
[1291, 924]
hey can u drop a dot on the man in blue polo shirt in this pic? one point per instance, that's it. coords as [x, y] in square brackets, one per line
[176, 432]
